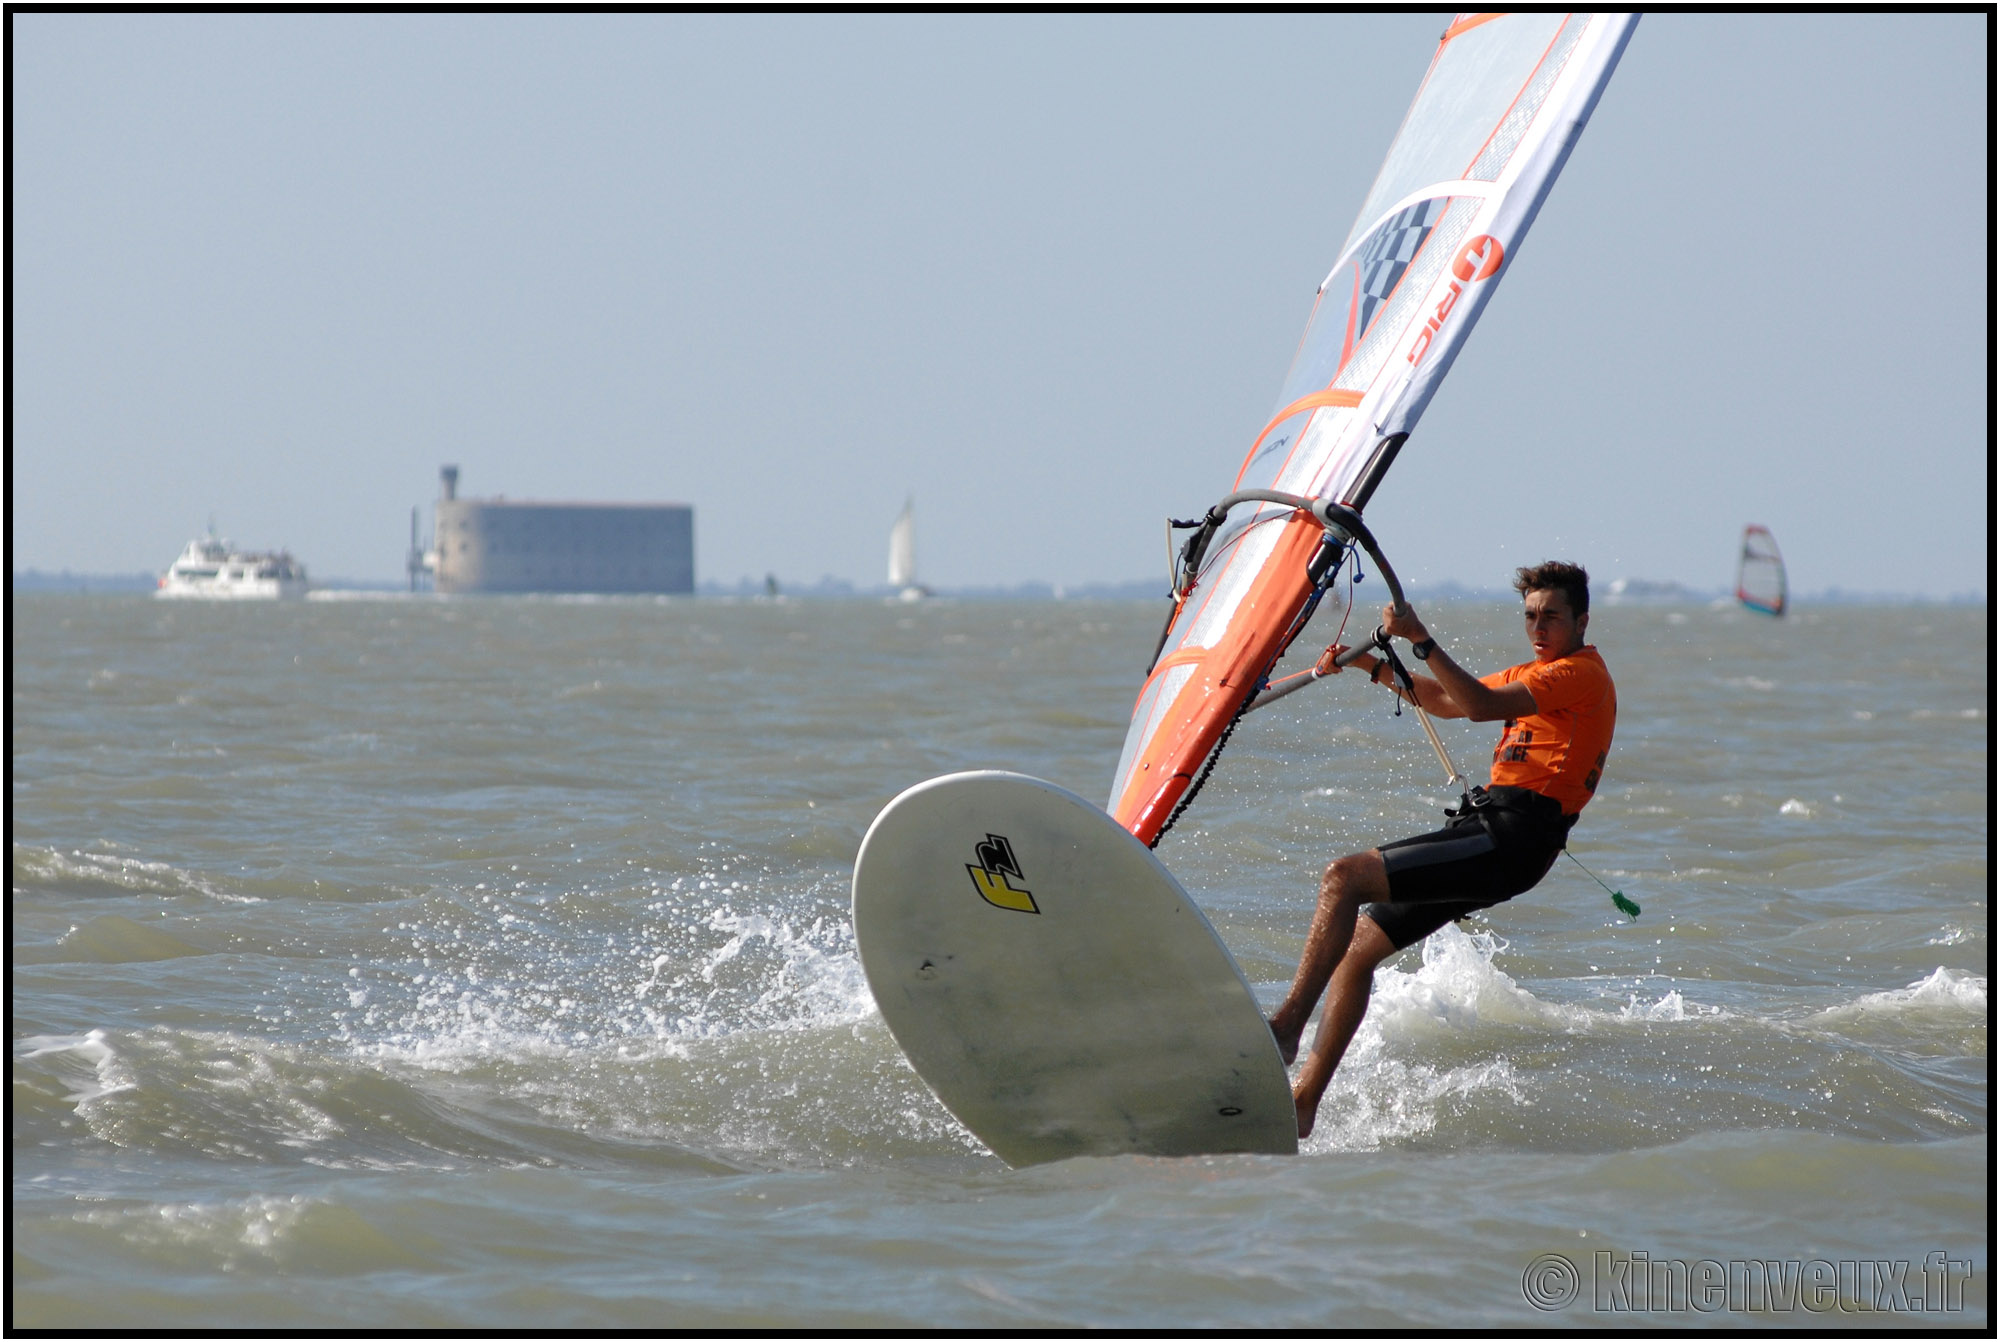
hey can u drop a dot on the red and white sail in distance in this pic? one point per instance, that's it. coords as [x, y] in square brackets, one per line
[1497, 113]
[1760, 572]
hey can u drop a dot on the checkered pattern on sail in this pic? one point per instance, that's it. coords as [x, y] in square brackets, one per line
[1384, 258]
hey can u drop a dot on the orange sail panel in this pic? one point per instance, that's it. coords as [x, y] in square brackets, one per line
[1499, 109]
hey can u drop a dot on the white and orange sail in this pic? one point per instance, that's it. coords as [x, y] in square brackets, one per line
[1497, 113]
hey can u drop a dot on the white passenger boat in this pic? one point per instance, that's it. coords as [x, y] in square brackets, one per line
[213, 569]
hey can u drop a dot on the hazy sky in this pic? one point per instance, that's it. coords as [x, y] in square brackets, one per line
[1043, 272]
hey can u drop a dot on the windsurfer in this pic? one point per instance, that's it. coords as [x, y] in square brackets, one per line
[1559, 710]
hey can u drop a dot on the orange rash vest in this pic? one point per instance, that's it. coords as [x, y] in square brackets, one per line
[1558, 750]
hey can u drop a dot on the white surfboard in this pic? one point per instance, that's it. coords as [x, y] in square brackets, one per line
[1052, 983]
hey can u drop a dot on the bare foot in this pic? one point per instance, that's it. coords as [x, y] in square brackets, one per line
[1307, 1111]
[1288, 1046]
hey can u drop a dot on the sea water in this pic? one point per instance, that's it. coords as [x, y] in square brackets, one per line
[486, 963]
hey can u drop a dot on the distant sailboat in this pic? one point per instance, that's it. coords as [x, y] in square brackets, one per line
[1760, 572]
[903, 556]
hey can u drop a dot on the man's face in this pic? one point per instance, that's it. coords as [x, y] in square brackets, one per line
[1552, 627]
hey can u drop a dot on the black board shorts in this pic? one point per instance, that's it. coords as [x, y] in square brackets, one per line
[1487, 853]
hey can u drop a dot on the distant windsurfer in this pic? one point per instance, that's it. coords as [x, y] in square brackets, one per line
[1559, 711]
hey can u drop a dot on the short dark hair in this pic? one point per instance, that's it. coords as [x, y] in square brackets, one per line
[1557, 576]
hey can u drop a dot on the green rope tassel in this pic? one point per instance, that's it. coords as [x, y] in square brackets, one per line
[1625, 906]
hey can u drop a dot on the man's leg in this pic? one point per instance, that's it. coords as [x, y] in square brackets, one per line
[1346, 1003]
[1349, 882]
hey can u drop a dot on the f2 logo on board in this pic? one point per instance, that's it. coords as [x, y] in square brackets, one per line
[991, 873]
[1477, 260]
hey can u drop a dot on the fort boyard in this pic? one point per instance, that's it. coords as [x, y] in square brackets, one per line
[503, 545]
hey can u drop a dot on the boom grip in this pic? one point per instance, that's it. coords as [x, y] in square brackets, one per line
[1341, 519]
[1344, 522]
[1358, 651]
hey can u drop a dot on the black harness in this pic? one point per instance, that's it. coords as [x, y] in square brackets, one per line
[1523, 809]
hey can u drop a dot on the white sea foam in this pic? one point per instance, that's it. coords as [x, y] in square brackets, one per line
[1381, 1096]
[699, 975]
[126, 873]
[93, 1050]
[818, 980]
[1458, 987]
[1942, 987]
[1671, 1007]
[1943, 991]
[1376, 1101]
[236, 1232]
[1378, 1098]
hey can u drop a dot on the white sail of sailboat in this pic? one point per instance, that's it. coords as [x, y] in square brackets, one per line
[903, 555]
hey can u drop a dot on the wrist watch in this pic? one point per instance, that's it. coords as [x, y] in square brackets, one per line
[1424, 649]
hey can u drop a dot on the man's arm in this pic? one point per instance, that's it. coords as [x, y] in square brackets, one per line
[1470, 695]
[1455, 693]
[1430, 695]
